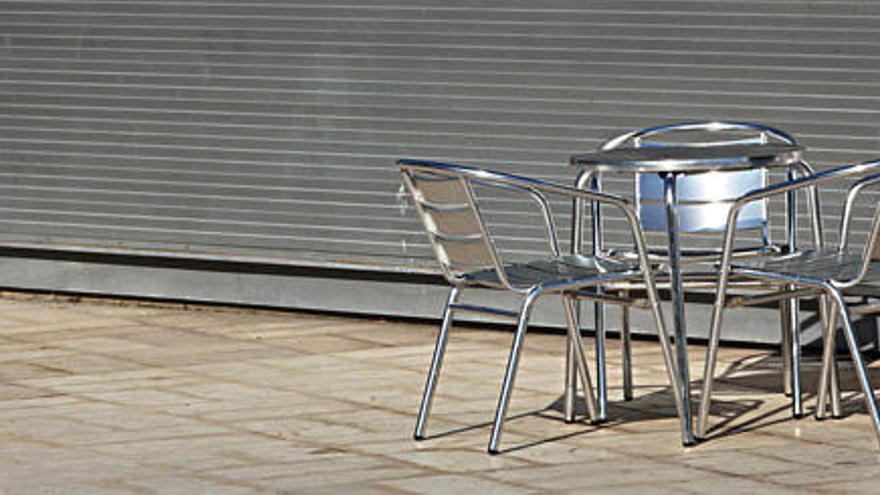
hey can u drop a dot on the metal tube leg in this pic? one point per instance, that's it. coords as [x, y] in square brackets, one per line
[794, 319]
[711, 360]
[568, 409]
[577, 225]
[665, 347]
[785, 346]
[828, 379]
[662, 332]
[861, 372]
[836, 411]
[574, 335]
[797, 405]
[626, 353]
[436, 364]
[671, 200]
[510, 373]
[601, 374]
[828, 334]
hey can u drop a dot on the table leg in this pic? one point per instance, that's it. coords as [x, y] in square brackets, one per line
[568, 410]
[599, 310]
[670, 194]
[577, 226]
[794, 353]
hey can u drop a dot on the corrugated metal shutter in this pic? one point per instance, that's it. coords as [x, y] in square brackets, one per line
[269, 129]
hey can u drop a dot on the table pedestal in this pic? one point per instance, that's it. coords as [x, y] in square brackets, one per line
[670, 198]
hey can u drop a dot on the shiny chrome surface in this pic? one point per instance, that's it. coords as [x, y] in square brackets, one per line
[690, 158]
[830, 271]
[583, 180]
[598, 306]
[663, 158]
[707, 217]
[626, 352]
[510, 372]
[707, 133]
[443, 194]
[702, 188]
[827, 263]
[791, 324]
[574, 334]
[436, 363]
[670, 193]
[829, 382]
[703, 200]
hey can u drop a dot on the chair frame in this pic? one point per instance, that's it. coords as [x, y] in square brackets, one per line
[830, 288]
[788, 310]
[538, 190]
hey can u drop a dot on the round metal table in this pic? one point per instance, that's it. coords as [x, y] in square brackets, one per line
[671, 162]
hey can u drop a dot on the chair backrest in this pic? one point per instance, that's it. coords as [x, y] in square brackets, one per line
[704, 199]
[448, 209]
[873, 241]
[875, 249]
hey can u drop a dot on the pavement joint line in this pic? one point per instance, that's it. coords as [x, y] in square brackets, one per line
[359, 401]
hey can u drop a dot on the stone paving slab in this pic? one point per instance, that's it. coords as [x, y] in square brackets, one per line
[101, 396]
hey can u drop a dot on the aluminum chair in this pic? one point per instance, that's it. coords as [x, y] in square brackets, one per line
[705, 199]
[825, 272]
[445, 197]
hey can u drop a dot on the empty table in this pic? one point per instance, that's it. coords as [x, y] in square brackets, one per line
[671, 162]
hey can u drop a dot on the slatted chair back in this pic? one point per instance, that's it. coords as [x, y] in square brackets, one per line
[704, 199]
[448, 209]
[872, 248]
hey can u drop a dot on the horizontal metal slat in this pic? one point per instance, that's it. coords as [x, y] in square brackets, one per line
[240, 110]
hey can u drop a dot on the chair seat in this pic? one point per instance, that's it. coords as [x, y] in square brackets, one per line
[826, 264]
[550, 271]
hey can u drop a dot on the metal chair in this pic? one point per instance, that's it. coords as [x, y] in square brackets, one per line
[446, 199]
[818, 272]
[705, 200]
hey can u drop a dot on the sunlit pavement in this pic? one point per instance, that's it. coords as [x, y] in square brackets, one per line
[124, 397]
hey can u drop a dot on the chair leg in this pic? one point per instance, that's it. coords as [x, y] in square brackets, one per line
[574, 336]
[797, 404]
[785, 345]
[601, 374]
[666, 348]
[861, 371]
[828, 379]
[669, 359]
[568, 406]
[510, 373]
[836, 411]
[711, 360]
[626, 353]
[436, 364]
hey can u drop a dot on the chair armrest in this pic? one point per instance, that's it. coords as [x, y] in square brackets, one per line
[870, 167]
[851, 196]
[538, 189]
[519, 181]
[808, 181]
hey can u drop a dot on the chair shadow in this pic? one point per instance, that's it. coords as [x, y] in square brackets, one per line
[761, 372]
[543, 413]
[656, 404]
[618, 412]
[764, 373]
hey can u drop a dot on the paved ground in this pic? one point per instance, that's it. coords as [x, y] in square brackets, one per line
[98, 397]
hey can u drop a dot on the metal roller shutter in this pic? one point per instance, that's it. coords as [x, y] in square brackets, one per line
[268, 130]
